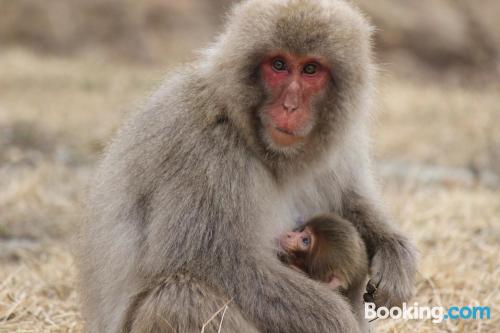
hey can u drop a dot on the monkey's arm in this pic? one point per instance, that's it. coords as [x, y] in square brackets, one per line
[278, 295]
[215, 238]
[392, 255]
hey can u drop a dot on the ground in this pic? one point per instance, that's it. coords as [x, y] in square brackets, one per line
[435, 142]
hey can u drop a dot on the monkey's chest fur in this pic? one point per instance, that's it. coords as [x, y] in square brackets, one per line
[299, 201]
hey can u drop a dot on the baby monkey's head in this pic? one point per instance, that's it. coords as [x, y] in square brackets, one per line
[327, 247]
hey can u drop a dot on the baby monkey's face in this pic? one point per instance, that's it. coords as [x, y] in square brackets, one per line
[298, 241]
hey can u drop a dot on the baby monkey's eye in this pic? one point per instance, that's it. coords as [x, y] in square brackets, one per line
[279, 65]
[306, 241]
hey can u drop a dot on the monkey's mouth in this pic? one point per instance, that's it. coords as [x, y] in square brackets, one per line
[283, 137]
[285, 131]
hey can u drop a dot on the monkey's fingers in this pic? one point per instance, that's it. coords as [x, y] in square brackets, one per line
[374, 283]
[370, 288]
[378, 290]
[369, 298]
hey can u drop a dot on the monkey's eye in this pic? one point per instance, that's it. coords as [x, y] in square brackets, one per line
[310, 69]
[279, 65]
[306, 241]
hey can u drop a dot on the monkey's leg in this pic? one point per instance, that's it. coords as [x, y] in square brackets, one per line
[181, 304]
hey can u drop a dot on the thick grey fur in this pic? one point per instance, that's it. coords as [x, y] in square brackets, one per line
[188, 199]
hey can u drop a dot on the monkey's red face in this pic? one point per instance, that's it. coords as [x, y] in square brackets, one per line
[298, 241]
[292, 82]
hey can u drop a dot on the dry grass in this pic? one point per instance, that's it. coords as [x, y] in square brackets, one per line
[56, 113]
[458, 232]
[441, 123]
[36, 293]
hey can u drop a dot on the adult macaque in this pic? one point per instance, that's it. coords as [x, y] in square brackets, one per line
[267, 125]
[328, 249]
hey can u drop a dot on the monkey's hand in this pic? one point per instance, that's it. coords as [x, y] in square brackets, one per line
[393, 269]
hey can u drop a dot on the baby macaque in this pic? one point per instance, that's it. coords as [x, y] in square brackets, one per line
[327, 248]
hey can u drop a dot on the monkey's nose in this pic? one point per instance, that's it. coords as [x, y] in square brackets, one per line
[291, 102]
[290, 106]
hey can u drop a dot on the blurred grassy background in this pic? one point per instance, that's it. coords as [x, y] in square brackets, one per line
[70, 70]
